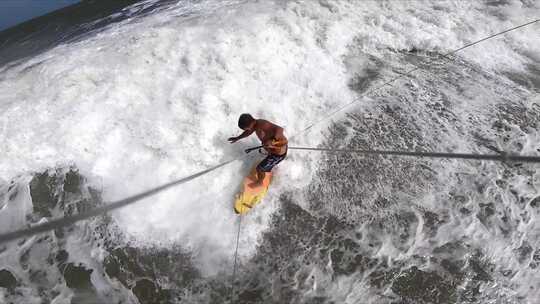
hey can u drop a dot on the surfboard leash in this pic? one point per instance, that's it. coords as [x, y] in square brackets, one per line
[235, 258]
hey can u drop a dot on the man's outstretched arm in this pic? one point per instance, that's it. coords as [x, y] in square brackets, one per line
[244, 134]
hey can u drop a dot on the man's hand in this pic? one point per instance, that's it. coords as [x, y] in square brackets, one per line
[232, 140]
[280, 142]
[270, 144]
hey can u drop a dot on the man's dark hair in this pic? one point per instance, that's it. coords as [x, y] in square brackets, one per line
[244, 121]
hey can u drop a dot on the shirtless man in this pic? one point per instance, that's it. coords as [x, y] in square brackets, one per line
[272, 139]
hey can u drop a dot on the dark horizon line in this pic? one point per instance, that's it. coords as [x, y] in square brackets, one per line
[34, 22]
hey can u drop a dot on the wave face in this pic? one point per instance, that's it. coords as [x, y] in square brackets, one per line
[150, 94]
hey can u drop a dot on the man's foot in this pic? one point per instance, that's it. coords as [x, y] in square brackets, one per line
[255, 184]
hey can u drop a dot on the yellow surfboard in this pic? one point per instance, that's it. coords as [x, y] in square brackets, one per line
[251, 196]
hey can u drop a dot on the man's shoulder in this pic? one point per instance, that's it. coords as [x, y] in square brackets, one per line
[265, 124]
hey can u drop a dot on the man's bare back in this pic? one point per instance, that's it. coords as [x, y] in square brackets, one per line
[270, 135]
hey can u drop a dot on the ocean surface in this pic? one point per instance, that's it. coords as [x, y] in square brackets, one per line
[102, 101]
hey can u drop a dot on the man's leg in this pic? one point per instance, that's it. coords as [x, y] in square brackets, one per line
[264, 166]
[260, 176]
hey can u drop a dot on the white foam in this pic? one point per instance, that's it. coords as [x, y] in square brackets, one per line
[139, 105]
[146, 102]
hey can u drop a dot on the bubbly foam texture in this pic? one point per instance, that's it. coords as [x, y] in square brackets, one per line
[150, 100]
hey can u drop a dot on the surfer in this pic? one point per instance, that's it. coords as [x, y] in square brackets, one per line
[272, 138]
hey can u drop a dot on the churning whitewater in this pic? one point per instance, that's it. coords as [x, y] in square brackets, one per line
[149, 98]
